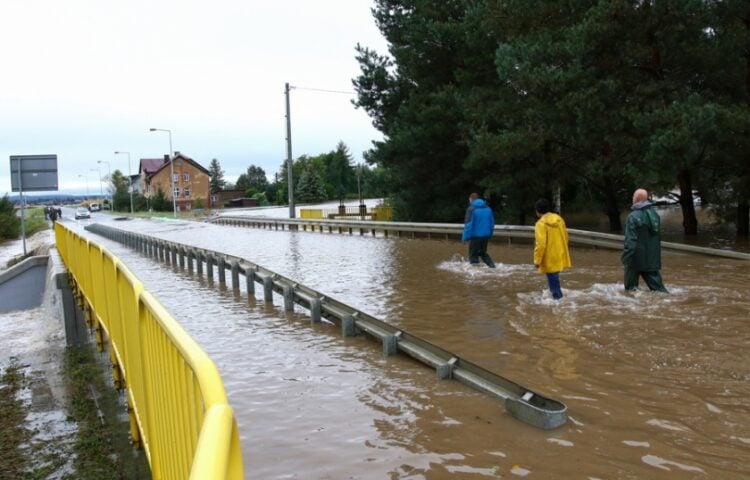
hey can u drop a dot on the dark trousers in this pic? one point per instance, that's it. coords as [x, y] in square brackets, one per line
[652, 279]
[477, 249]
[553, 280]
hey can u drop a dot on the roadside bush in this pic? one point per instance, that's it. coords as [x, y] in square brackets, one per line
[10, 224]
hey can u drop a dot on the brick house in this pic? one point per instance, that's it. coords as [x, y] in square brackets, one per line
[191, 180]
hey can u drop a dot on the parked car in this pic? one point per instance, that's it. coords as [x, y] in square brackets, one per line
[82, 212]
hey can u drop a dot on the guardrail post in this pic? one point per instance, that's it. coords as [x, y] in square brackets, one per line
[347, 326]
[209, 266]
[288, 297]
[445, 371]
[250, 281]
[182, 256]
[390, 344]
[190, 255]
[315, 310]
[221, 264]
[268, 289]
[235, 275]
[199, 262]
[173, 254]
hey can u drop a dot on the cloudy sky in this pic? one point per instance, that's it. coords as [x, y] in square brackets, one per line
[84, 78]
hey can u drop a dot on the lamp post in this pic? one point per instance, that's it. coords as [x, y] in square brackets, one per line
[99, 170]
[85, 177]
[130, 179]
[171, 166]
[109, 169]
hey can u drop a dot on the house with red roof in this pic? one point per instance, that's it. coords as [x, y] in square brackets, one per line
[184, 179]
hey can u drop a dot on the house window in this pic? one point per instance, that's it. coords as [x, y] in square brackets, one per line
[186, 177]
[186, 191]
[176, 192]
[214, 198]
[175, 177]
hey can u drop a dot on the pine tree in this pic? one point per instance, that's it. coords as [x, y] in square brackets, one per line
[216, 176]
[310, 187]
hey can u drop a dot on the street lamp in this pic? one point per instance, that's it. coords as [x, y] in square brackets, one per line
[87, 184]
[130, 179]
[101, 190]
[171, 166]
[109, 168]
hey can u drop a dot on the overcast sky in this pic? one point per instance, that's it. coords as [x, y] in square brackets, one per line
[84, 78]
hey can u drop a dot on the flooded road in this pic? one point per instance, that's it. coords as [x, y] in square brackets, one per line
[656, 385]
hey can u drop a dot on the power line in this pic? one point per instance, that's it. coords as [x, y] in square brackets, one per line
[323, 90]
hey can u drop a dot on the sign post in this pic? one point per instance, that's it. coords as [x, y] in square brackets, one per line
[32, 173]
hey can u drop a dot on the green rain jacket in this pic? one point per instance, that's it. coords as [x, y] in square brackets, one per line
[642, 250]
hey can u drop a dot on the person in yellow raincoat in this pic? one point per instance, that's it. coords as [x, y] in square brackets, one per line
[551, 255]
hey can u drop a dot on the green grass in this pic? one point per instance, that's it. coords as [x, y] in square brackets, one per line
[34, 221]
[13, 432]
[102, 446]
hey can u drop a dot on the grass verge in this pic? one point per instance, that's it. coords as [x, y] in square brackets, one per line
[102, 446]
[13, 432]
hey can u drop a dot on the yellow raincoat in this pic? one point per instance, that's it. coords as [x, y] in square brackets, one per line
[551, 244]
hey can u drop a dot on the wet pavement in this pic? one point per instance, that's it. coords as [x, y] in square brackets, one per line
[34, 340]
[656, 385]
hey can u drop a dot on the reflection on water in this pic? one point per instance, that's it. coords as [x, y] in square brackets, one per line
[656, 385]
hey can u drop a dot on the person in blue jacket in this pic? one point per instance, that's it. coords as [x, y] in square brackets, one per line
[479, 224]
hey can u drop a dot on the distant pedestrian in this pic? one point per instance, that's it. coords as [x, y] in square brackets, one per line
[479, 225]
[551, 255]
[641, 254]
[53, 215]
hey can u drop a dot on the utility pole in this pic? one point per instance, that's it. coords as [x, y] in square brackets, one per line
[290, 177]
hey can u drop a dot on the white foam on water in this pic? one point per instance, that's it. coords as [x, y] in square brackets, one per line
[459, 265]
[666, 425]
[561, 442]
[634, 443]
[664, 464]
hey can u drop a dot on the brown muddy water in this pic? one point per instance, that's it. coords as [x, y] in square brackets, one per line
[657, 386]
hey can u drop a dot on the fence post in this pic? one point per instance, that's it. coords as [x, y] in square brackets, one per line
[235, 275]
[288, 297]
[315, 310]
[222, 265]
[268, 288]
[209, 266]
[250, 280]
[347, 326]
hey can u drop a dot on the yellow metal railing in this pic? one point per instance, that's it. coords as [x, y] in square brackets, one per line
[177, 404]
[380, 214]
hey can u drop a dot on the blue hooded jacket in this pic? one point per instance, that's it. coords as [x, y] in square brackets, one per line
[479, 222]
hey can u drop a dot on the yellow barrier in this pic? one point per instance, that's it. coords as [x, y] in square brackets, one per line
[314, 213]
[380, 214]
[178, 408]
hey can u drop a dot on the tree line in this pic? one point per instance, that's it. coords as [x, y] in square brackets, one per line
[326, 176]
[519, 99]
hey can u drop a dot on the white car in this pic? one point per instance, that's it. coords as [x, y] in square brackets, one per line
[82, 212]
[95, 207]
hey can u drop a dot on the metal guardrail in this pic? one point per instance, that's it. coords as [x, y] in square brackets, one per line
[454, 230]
[521, 402]
[177, 404]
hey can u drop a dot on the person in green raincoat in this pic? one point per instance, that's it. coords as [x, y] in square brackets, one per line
[641, 254]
